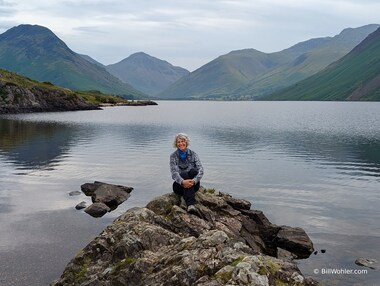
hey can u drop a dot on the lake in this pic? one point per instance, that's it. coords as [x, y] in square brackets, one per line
[314, 165]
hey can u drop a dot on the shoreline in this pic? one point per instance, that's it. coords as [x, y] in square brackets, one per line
[130, 103]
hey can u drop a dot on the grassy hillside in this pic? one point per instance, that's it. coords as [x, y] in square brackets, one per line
[222, 75]
[35, 52]
[354, 77]
[248, 74]
[313, 56]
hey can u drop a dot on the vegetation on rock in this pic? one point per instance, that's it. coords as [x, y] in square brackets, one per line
[21, 94]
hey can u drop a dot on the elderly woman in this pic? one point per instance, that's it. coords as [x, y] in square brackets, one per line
[186, 170]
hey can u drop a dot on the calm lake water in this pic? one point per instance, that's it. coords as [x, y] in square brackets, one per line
[315, 165]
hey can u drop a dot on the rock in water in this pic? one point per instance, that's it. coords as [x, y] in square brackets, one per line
[81, 205]
[368, 262]
[97, 209]
[106, 197]
[162, 244]
[74, 193]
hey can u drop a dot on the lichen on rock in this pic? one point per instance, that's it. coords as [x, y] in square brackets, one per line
[226, 243]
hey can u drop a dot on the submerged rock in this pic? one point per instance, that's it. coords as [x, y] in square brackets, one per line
[368, 262]
[74, 193]
[226, 243]
[105, 197]
[81, 205]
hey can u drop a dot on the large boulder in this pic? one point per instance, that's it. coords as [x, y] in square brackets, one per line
[105, 197]
[225, 243]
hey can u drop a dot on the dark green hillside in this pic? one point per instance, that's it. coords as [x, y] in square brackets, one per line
[146, 73]
[249, 74]
[222, 75]
[35, 52]
[311, 56]
[354, 77]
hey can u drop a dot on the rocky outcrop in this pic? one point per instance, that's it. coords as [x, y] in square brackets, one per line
[225, 243]
[18, 99]
[105, 197]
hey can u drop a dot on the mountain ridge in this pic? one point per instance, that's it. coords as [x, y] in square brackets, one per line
[36, 52]
[147, 73]
[356, 76]
[246, 74]
[224, 73]
[289, 66]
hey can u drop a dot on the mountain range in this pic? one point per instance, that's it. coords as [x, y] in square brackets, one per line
[250, 74]
[36, 52]
[356, 76]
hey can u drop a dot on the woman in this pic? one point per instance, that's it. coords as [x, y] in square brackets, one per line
[186, 170]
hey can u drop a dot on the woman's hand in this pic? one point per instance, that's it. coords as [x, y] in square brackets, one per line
[187, 183]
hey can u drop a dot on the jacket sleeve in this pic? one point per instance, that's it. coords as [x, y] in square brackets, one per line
[174, 169]
[199, 167]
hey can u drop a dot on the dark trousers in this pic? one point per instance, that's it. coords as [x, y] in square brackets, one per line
[189, 193]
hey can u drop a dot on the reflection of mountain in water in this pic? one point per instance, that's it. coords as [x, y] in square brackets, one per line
[33, 144]
[344, 152]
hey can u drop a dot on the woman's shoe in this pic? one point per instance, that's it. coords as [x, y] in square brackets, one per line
[192, 209]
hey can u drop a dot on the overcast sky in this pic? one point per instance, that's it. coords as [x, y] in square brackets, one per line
[186, 33]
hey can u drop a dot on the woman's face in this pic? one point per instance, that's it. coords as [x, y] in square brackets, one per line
[181, 144]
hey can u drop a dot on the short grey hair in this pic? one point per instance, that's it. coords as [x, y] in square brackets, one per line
[181, 136]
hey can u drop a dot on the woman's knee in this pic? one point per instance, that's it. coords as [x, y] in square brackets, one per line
[193, 173]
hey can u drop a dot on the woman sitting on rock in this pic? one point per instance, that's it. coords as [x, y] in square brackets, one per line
[186, 170]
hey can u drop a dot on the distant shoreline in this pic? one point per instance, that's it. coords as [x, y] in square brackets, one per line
[130, 103]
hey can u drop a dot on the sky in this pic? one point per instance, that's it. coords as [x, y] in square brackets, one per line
[186, 33]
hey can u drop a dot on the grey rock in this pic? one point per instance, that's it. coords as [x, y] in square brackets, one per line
[162, 244]
[284, 254]
[74, 193]
[295, 240]
[108, 194]
[81, 205]
[97, 209]
[368, 262]
[89, 188]
[111, 195]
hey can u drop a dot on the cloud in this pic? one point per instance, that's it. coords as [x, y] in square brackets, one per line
[188, 33]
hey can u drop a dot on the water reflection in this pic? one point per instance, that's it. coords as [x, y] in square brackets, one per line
[144, 135]
[351, 155]
[33, 145]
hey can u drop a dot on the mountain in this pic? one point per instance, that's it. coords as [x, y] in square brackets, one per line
[356, 76]
[313, 56]
[223, 74]
[146, 73]
[36, 52]
[248, 74]
[91, 60]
